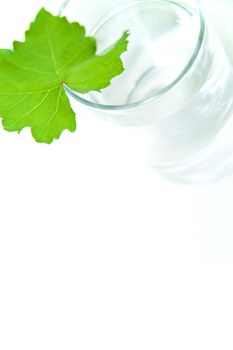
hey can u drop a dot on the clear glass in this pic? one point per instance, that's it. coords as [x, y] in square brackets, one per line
[176, 92]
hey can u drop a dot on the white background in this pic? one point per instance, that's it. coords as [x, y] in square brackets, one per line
[97, 251]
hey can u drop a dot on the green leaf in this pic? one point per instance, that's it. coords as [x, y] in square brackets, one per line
[32, 75]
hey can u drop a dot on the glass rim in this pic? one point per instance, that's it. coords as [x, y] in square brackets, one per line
[163, 91]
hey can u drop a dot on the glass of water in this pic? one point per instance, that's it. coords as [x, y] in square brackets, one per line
[176, 93]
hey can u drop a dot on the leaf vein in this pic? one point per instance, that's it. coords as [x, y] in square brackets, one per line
[52, 52]
[53, 115]
[73, 58]
[32, 109]
[28, 92]
[18, 103]
[28, 69]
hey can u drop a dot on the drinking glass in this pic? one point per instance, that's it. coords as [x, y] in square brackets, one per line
[176, 93]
